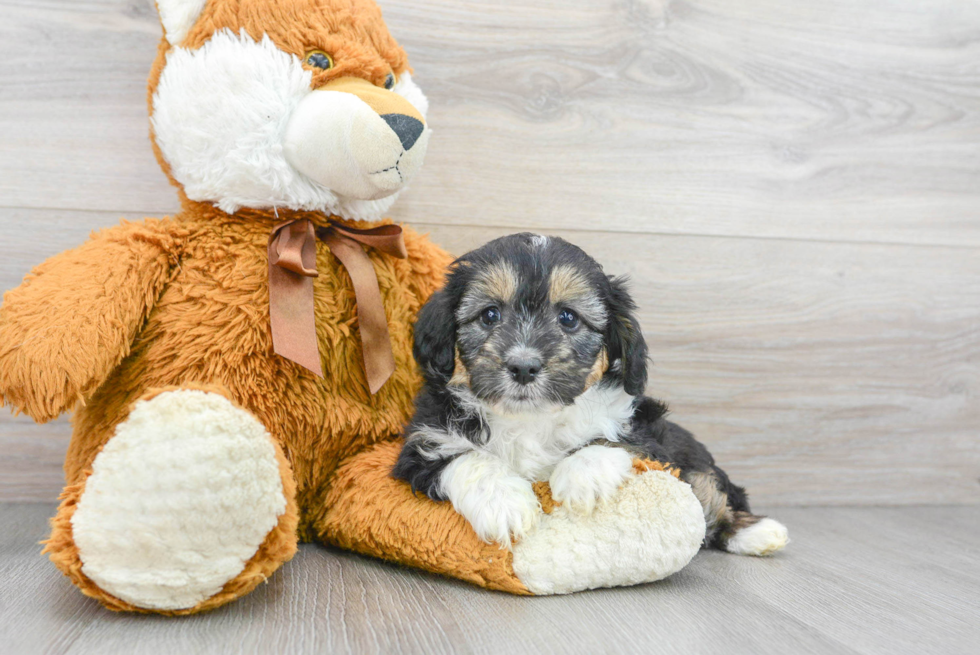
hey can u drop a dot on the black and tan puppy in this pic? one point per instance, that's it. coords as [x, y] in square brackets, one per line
[534, 368]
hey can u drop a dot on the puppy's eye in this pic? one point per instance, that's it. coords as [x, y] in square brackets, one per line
[490, 315]
[318, 59]
[390, 82]
[568, 319]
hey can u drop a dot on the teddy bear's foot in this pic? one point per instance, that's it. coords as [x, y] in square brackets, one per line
[189, 505]
[650, 529]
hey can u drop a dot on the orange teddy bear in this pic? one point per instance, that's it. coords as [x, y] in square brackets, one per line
[240, 372]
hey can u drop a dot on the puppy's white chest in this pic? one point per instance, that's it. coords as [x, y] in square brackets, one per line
[532, 444]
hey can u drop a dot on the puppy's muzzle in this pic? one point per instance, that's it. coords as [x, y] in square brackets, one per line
[523, 370]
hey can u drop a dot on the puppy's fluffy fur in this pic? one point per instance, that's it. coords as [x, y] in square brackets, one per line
[534, 367]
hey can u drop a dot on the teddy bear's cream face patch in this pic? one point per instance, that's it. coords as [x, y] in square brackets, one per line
[383, 146]
[221, 117]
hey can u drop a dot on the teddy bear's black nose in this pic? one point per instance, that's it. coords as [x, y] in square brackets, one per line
[407, 128]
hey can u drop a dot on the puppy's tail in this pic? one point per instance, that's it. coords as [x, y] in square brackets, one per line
[732, 526]
[753, 535]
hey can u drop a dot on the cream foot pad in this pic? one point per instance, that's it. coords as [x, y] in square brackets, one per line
[654, 512]
[178, 501]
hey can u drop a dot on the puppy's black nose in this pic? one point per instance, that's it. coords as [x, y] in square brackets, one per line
[524, 370]
[407, 128]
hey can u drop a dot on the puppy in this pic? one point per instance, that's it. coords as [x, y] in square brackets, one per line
[534, 367]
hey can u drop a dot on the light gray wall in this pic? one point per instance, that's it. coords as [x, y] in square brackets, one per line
[794, 187]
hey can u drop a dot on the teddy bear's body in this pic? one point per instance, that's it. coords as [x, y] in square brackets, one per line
[208, 325]
[182, 305]
[199, 455]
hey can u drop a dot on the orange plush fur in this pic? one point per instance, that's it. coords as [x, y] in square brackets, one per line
[183, 302]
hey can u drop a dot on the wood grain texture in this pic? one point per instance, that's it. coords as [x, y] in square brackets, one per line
[796, 195]
[840, 120]
[31, 458]
[816, 372]
[854, 580]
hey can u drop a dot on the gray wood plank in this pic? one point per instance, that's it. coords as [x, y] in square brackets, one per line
[817, 373]
[755, 118]
[31, 457]
[854, 580]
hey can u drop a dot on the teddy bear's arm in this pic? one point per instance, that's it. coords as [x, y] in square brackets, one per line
[75, 316]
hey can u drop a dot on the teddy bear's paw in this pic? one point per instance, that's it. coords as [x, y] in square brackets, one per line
[178, 500]
[590, 476]
[652, 527]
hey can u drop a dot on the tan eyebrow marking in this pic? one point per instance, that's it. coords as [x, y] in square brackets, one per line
[499, 282]
[565, 284]
[568, 286]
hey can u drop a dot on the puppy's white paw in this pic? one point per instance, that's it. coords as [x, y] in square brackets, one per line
[498, 503]
[591, 475]
[763, 538]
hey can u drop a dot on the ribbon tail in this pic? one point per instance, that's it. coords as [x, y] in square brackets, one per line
[379, 359]
[291, 301]
[389, 239]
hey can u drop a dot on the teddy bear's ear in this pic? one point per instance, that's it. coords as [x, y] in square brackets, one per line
[178, 17]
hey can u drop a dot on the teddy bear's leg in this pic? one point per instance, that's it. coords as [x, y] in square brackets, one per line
[652, 528]
[188, 506]
[370, 512]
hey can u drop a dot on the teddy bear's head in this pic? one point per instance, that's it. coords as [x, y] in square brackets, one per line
[298, 104]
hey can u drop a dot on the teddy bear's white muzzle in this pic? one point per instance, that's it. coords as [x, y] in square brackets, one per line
[339, 141]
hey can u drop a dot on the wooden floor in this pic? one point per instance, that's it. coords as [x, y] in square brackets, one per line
[854, 580]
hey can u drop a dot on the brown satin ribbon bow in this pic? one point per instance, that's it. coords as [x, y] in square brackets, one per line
[292, 267]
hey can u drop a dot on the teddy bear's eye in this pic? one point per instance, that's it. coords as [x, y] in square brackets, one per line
[318, 59]
[389, 81]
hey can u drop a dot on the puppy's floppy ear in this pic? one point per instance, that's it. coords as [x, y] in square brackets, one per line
[435, 338]
[624, 338]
